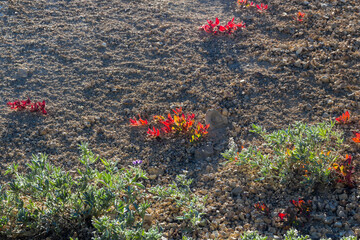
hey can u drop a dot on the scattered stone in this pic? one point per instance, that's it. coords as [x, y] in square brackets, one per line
[325, 115]
[329, 220]
[299, 50]
[325, 78]
[204, 152]
[22, 73]
[315, 235]
[155, 171]
[338, 224]
[236, 191]
[215, 119]
[152, 177]
[298, 63]
[343, 196]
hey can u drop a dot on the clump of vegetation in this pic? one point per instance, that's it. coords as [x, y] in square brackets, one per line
[189, 203]
[34, 106]
[48, 199]
[291, 234]
[111, 202]
[179, 124]
[300, 152]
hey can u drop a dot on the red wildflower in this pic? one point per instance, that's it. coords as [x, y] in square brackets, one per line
[154, 132]
[300, 16]
[344, 118]
[210, 27]
[139, 122]
[262, 7]
[357, 137]
[282, 216]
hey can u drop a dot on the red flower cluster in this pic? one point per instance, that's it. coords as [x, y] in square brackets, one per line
[357, 137]
[262, 7]
[344, 118]
[245, 3]
[262, 208]
[298, 214]
[216, 29]
[34, 107]
[139, 122]
[300, 16]
[344, 171]
[178, 123]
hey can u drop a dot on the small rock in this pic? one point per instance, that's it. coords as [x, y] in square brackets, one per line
[155, 171]
[329, 220]
[330, 102]
[215, 119]
[338, 224]
[204, 152]
[308, 107]
[22, 73]
[236, 191]
[299, 50]
[225, 112]
[315, 235]
[343, 196]
[298, 63]
[325, 78]
[152, 177]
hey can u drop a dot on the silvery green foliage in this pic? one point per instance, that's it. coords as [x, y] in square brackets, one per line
[191, 204]
[292, 234]
[46, 197]
[231, 152]
[252, 236]
[301, 150]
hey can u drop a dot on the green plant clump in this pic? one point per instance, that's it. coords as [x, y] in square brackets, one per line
[291, 234]
[190, 204]
[301, 151]
[48, 199]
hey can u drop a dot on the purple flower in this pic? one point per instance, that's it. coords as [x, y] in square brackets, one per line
[137, 162]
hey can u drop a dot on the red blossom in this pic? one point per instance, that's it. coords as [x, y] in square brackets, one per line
[300, 16]
[282, 216]
[140, 122]
[262, 7]
[344, 118]
[357, 137]
[34, 107]
[153, 133]
[229, 28]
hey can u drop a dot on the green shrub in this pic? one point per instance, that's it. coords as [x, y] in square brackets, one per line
[300, 151]
[47, 198]
[191, 205]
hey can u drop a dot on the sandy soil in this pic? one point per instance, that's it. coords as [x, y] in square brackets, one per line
[99, 63]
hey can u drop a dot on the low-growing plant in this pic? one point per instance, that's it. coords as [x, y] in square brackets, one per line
[190, 204]
[34, 107]
[344, 171]
[300, 16]
[298, 214]
[301, 151]
[216, 29]
[245, 3]
[47, 198]
[344, 118]
[357, 137]
[262, 7]
[261, 207]
[179, 124]
[140, 122]
[291, 234]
